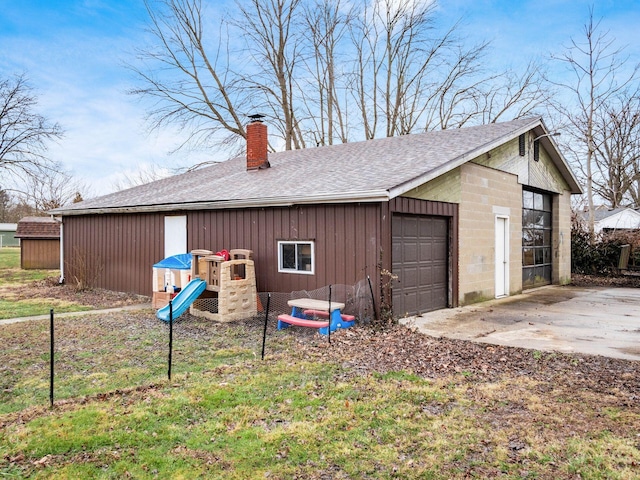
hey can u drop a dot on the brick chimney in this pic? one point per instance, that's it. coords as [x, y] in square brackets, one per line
[257, 156]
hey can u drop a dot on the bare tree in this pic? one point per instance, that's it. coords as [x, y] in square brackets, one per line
[323, 71]
[274, 43]
[54, 189]
[457, 98]
[21, 209]
[597, 74]
[617, 152]
[395, 59]
[23, 132]
[5, 206]
[411, 76]
[633, 194]
[188, 77]
[326, 23]
[515, 96]
[142, 174]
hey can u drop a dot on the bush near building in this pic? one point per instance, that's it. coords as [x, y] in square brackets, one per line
[599, 254]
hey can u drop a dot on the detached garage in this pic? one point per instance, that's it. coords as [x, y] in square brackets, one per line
[436, 220]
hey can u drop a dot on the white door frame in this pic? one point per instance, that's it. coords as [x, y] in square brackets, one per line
[502, 256]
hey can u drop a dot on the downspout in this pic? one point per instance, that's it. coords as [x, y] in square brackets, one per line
[61, 280]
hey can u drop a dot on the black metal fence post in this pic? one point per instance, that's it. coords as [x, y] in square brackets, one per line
[170, 335]
[266, 318]
[51, 357]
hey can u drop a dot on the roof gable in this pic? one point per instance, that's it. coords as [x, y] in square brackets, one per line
[372, 170]
[617, 218]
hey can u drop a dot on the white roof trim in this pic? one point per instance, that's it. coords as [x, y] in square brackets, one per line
[370, 196]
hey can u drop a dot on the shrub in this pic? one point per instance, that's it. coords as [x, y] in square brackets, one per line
[84, 270]
[599, 255]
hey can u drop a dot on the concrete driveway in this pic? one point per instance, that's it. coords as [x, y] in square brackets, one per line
[595, 320]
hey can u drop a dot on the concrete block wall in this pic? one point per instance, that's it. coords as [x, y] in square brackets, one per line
[506, 158]
[561, 239]
[445, 188]
[486, 194]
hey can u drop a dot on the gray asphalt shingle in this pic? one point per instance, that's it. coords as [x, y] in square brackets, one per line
[334, 171]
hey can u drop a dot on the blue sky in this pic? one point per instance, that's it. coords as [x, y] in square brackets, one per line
[73, 52]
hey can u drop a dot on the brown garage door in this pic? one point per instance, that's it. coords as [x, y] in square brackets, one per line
[420, 260]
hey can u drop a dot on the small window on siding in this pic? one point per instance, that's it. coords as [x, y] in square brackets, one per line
[521, 145]
[296, 257]
[536, 150]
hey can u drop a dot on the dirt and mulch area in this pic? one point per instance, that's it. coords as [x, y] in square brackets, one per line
[402, 348]
[96, 298]
[619, 281]
[365, 350]
[397, 347]
[100, 299]
[394, 347]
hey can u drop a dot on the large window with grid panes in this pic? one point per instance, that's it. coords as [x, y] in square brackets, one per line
[536, 239]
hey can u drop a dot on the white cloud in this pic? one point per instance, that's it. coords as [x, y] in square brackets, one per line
[74, 62]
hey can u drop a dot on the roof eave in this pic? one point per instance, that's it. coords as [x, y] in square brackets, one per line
[37, 237]
[349, 197]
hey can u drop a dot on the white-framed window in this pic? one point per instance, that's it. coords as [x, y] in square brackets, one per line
[296, 257]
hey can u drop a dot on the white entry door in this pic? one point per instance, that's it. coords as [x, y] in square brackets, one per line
[502, 256]
[175, 235]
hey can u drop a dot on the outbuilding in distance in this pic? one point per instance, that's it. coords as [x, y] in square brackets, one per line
[8, 235]
[40, 242]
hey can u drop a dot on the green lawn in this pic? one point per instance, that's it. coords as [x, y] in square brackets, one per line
[13, 303]
[12, 274]
[297, 414]
[9, 258]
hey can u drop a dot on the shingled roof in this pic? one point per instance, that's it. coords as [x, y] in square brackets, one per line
[373, 170]
[602, 213]
[38, 228]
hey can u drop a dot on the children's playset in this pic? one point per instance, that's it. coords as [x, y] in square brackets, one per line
[220, 286]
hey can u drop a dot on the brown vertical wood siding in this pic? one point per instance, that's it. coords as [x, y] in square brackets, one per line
[346, 237]
[125, 247]
[120, 248]
[39, 253]
[351, 242]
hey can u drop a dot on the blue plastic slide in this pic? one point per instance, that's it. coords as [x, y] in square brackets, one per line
[183, 299]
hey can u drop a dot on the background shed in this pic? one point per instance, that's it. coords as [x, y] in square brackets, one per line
[40, 241]
[8, 235]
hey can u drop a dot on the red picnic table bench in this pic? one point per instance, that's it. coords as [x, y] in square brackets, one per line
[305, 311]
